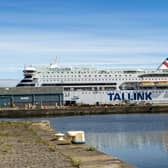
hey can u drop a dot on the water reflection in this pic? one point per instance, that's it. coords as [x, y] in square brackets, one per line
[135, 140]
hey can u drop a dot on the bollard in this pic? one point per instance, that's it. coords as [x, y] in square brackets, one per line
[77, 137]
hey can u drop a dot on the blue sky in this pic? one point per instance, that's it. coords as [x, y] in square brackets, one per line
[123, 33]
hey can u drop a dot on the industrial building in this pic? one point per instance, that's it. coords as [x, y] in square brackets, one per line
[31, 96]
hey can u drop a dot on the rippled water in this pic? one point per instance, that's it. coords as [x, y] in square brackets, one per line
[141, 140]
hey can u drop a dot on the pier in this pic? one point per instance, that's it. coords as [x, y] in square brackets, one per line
[81, 110]
[27, 144]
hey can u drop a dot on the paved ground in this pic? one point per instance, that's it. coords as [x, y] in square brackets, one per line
[21, 147]
[27, 145]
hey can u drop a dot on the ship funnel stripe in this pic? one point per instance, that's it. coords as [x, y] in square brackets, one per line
[165, 63]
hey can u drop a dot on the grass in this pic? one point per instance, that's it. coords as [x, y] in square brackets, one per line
[51, 147]
[4, 133]
[39, 139]
[22, 130]
[91, 148]
[6, 148]
[75, 162]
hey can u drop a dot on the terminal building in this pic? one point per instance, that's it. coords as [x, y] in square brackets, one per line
[31, 96]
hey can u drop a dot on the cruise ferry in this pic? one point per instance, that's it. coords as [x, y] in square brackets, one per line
[87, 85]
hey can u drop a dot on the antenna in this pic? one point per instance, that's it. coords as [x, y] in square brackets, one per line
[55, 63]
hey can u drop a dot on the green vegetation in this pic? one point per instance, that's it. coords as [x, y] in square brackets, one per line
[51, 147]
[6, 148]
[75, 162]
[21, 130]
[4, 134]
[91, 148]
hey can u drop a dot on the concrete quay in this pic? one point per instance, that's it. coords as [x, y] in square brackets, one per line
[81, 110]
[27, 144]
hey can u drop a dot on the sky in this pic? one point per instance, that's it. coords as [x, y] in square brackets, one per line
[120, 33]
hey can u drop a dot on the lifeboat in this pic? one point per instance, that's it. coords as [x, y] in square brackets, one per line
[161, 83]
[147, 83]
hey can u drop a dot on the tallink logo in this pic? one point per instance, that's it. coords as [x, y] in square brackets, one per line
[114, 96]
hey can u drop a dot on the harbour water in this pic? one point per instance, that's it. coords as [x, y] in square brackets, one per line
[139, 139]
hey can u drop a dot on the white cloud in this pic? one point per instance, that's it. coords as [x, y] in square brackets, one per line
[39, 48]
[53, 44]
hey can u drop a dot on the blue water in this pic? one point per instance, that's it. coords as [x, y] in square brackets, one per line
[141, 140]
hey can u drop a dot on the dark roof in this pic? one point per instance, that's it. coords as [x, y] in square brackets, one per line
[30, 90]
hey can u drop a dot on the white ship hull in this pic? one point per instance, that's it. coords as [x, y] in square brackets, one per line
[117, 97]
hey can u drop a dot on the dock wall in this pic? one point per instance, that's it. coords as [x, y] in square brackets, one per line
[80, 110]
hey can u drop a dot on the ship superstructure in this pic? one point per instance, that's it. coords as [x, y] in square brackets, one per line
[94, 85]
